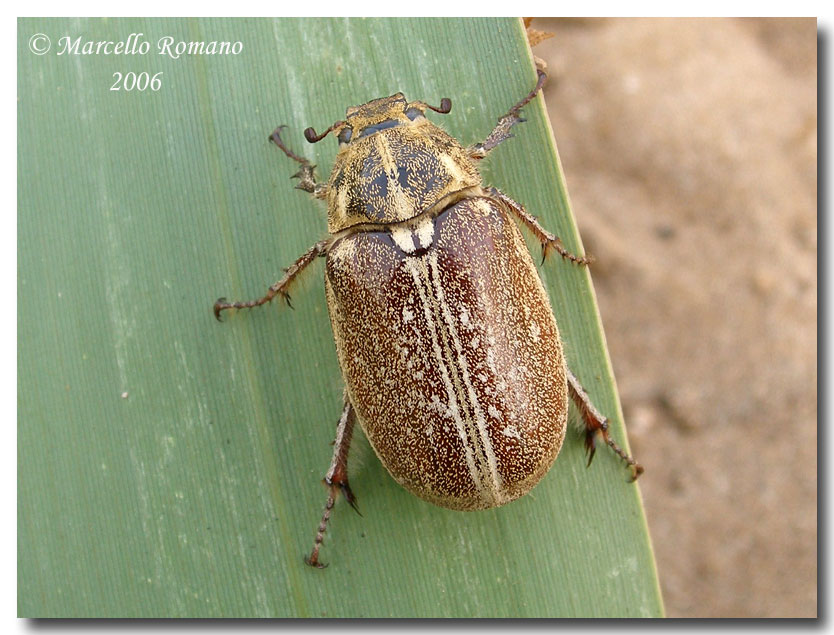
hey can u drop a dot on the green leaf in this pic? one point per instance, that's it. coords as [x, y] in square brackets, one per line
[169, 465]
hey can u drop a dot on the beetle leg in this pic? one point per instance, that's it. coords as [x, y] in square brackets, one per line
[306, 180]
[549, 242]
[336, 478]
[501, 132]
[282, 286]
[596, 422]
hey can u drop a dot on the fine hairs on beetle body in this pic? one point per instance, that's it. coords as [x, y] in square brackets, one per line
[446, 339]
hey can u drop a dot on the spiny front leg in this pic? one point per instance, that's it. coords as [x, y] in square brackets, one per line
[549, 242]
[595, 422]
[501, 132]
[336, 478]
[307, 181]
[282, 286]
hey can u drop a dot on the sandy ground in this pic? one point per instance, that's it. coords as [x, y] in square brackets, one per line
[690, 153]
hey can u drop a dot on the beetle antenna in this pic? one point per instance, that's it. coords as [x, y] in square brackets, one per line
[445, 106]
[312, 137]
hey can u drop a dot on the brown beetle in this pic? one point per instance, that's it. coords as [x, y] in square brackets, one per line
[447, 343]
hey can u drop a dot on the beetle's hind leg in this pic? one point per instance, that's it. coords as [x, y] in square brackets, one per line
[280, 288]
[595, 423]
[336, 478]
[501, 132]
[549, 242]
[306, 179]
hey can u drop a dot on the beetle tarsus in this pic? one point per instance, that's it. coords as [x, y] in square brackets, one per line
[636, 471]
[275, 137]
[218, 307]
[595, 423]
[556, 245]
[549, 242]
[307, 180]
[280, 288]
[314, 562]
[501, 132]
[336, 478]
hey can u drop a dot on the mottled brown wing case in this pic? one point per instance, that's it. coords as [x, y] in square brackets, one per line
[451, 357]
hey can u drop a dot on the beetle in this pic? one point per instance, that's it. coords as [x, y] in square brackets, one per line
[447, 343]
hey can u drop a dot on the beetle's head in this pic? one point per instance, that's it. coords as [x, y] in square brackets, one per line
[379, 114]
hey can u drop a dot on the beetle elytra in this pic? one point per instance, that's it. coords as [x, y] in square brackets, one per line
[448, 346]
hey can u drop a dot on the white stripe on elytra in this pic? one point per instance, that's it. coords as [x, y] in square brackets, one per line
[414, 267]
[403, 238]
[424, 232]
[480, 436]
[410, 237]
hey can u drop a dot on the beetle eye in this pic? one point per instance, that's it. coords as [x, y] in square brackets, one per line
[345, 135]
[412, 113]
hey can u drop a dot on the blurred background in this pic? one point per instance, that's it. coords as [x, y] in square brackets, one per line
[689, 148]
